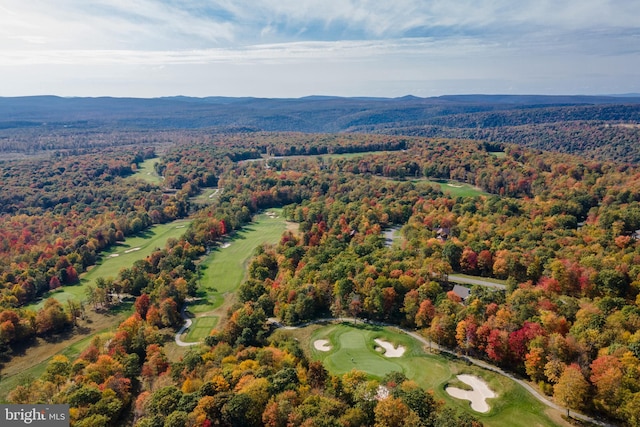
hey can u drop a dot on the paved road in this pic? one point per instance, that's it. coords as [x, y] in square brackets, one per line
[476, 362]
[473, 281]
[187, 325]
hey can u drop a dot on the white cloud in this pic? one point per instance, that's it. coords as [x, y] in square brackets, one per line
[382, 44]
[277, 52]
[152, 24]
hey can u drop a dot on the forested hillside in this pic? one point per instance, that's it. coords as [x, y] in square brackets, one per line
[560, 229]
[598, 127]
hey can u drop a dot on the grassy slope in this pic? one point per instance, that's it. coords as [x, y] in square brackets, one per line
[455, 188]
[513, 406]
[486, 279]
[201, 328]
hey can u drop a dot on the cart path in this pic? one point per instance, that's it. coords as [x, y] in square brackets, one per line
[474, 281]
[187, 324]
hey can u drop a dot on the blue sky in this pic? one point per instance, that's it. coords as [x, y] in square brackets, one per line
[292, 48]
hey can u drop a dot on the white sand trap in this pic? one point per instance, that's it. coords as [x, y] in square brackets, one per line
[180, 226]
[225, 245]
[131, 250]
[322, 345]
[390, 350]
[477, 396]
[113, 255]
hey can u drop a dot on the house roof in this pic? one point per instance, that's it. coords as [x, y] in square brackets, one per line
[462, 291]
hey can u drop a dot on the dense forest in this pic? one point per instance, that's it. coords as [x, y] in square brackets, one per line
[562, 230]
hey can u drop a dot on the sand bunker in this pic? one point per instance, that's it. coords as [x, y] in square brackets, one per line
[322, 345]
[390, 350]
[113, 255]
[131, 250]
[478, 396]
[225, 245]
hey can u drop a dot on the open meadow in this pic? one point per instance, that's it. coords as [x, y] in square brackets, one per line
[455, 188]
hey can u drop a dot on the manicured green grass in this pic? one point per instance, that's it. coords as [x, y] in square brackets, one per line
[330, 156]
[201, 328]
[118, 257]
[10, 383]
[353, 348]
[147, 173]
[498, 154]
[224, 268]
[455, 188]
[207, 196]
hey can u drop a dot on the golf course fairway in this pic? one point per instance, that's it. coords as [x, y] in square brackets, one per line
[225, 268]
[119, 256]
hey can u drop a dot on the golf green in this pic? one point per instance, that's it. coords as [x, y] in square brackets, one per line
[353, 347]
[201, 328]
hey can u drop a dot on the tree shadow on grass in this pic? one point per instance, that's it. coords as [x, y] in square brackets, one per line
[21, 348]
[118, 309]
[240, 234]
[145, 234]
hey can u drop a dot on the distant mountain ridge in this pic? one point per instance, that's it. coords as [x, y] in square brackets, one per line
[540, 121]
[273, 113]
